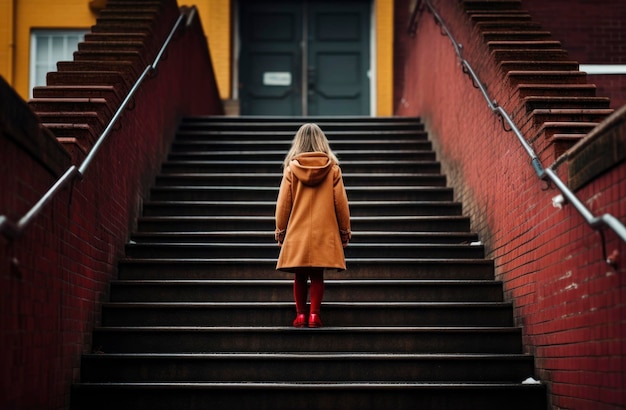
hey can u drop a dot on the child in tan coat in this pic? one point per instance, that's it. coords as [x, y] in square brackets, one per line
[312, 219]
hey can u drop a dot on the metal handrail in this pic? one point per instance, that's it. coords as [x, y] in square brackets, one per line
[546, 174]
[12, 230]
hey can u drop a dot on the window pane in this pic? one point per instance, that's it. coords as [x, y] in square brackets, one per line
[47, 48]
[58, 47]
[41, 55]
[72, 43]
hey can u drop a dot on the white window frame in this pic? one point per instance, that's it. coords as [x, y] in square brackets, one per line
[49, 61]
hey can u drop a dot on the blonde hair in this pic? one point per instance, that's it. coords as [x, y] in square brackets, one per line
[309, 138]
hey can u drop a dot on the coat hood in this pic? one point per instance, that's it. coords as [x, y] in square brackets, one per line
[311, 167]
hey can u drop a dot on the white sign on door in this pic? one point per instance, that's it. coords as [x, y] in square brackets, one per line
[277, 78]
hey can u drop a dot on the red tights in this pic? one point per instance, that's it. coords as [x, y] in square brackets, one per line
[317, 290]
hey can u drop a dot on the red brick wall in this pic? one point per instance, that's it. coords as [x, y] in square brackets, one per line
[54, 277]
[592, 33]
[570, 303]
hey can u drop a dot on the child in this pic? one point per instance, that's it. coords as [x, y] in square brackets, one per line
[312, 219]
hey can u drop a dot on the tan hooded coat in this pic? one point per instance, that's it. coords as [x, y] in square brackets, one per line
[312, 214]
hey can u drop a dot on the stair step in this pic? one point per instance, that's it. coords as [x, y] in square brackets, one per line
[103, 77]
[263, 250]
[310, 368]
[279, 155]
[122, 27]
[273, 179]
[110, 55]
[558, 90]
[291, 124]
[300, 396]
[524, 45]
[106, 92]
[547, 102]
[340, 314]
[373, 166]
[482, 26]
[279, 138]
[135, 12]
[263, 145]
[268, 237]
[516, 35]
[491, 4]
[93, 119]
[108, 46]
[570, 115]
[241, 193]
[550, 128]
[70, 104]
[283, 339]
[268, 208]
[282, 290]
[84, 134]
[248, 268]
[130, 69]
[521, 65]
[501, 55]
[546, 77]
[514, 17]
[401, 223]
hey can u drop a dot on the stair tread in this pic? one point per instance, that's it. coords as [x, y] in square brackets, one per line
[273, 245]
[319, 355]
[260, 305]
[272, 261]
[326, 329]
[279, 174]
[362, 282]
[275, 188]
[270, 233]
[339, 152]
[300, 385]
[279, 163]
[289, 136]
[601, 111]
[272, 218]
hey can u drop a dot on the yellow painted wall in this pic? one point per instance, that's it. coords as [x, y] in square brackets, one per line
[384, 57]
[6, 40]
[216, 20]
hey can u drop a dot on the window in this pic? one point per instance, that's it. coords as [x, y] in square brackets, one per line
[49, 46]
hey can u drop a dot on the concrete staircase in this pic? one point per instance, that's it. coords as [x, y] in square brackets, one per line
[200, 319]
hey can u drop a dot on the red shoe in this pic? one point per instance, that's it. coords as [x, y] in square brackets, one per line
[300, 320]
[314, 320]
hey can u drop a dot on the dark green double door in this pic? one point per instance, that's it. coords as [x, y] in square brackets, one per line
[304, 57]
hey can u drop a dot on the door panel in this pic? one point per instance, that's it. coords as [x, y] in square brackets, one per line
[270, 63]
[336, 54]
[339, 58]
[272, 97]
